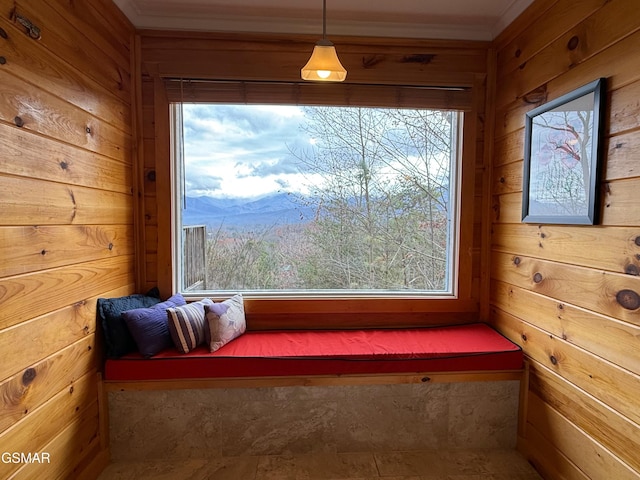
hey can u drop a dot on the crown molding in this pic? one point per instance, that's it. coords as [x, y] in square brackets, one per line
[168, 15]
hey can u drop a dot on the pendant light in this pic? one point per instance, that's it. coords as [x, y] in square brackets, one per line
[324, 66]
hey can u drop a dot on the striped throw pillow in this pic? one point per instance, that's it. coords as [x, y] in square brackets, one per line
[187, 325]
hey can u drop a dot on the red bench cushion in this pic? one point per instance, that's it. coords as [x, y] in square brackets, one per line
[331, 352]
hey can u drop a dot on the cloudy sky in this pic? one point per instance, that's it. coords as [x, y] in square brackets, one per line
[243, 150]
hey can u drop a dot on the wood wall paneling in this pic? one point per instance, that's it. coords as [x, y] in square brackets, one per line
[557, 19]
[615, 386]
[66, 234]
[35, 202]
[273, 58]
[603, 292]
[548, 459]
[45, 422]
[74, 46]
[604, 336]
[606, 426]
[25, 56]
[587, 455]
[41, 112]
[25, 249]
[77, 282]
[621, 156]
[607, 25]
[30, 388]
[33, 156]
[571, 295]
[614, 249]
[611, 63]
[72, 447]
[110, 28]
[49, 334]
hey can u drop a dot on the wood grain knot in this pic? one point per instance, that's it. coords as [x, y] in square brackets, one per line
[371, 61]
[628, 299]
[516, 261]
[3, 33]
[18, 121]
[151, 176]
[425, 379]
[632, 269]
[573, 43]
[422, 58]
[110, 246]
[518, 53]
[87, 129]
[537, 278]
[524, 337]
[3, 60]
[28, 376]
[537, 96]
[637, 241]
[553, 360]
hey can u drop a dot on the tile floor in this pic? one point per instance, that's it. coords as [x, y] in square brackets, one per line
[412, 465]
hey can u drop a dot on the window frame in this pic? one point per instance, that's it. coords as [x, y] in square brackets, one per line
[270, 313]
[177, 194]
[452, 74]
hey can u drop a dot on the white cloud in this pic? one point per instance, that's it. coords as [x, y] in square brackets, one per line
[241, 150]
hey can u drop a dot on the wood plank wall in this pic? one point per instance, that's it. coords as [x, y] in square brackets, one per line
[66, 229]
[270, 58]
[582, 419]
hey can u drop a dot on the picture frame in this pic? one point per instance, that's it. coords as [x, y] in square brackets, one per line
[562, 156]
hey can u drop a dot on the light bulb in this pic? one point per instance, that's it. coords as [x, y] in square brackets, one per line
[324, 73]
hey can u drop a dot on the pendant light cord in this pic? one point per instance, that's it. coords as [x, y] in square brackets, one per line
[324, 19]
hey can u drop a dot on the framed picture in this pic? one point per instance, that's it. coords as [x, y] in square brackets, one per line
[562, 156]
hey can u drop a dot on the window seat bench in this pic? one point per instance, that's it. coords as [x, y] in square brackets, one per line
[299, 392]
[324, 357]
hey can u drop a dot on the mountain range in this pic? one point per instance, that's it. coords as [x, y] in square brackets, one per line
[279, 208]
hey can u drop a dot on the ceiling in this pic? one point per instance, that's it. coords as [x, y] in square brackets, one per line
[433, 19]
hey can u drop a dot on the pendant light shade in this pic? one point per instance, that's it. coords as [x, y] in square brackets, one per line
[324, 65]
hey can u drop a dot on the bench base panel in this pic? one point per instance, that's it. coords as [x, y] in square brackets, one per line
[277, 420]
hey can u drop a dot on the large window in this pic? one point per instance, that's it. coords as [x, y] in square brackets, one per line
[316, 200]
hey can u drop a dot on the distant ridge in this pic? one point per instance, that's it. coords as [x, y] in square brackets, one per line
[276, 209]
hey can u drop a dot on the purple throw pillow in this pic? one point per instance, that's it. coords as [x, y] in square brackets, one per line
[149, 327]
